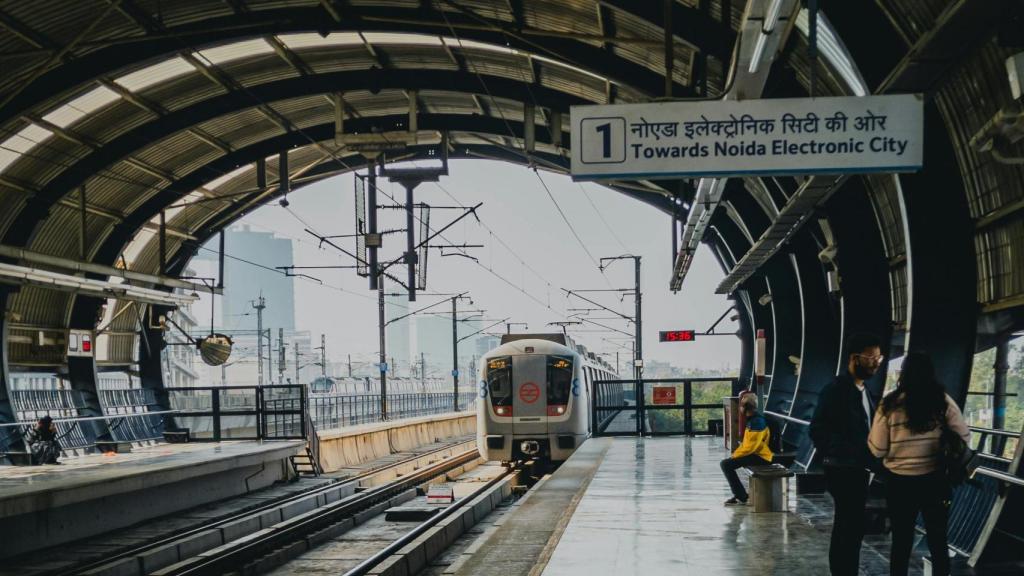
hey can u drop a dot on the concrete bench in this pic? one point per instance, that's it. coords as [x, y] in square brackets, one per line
[769, 487]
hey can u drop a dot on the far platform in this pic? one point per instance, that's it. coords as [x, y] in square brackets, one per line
[86, 495]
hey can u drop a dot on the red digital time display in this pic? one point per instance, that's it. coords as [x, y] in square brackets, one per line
[677, 336]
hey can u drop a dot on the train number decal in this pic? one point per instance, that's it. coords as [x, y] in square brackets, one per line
[529, 392]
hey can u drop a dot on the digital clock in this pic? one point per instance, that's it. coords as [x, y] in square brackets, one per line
[677, 336]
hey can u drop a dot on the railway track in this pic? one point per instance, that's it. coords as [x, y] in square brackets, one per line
[255, 533]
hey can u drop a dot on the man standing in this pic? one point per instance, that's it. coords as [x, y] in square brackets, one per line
[839, 430]
[753, 451]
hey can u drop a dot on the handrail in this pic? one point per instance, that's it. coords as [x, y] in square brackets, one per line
[787, 418]
[93, 418]
[994, 432]
[998, 476]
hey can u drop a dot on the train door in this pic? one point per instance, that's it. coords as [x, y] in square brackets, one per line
[529, 401]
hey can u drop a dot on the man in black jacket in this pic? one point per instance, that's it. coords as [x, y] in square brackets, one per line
[839, 430]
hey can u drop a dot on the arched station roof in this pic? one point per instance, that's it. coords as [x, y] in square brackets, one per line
[153, 106]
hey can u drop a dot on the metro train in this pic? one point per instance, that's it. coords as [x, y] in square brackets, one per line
[535, 392]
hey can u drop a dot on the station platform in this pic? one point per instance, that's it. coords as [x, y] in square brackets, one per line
[88, 495]
[655, 506]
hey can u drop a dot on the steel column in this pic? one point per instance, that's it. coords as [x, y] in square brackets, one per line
[9, 440]
[942, 319]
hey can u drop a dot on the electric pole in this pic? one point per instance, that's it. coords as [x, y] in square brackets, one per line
[323, 355]
[297, 380]
[259, 305]
[455, 351]
[349, 365]
[638, 363]
[383, 353]
[423, 371]
[280, 356]
[509, 325]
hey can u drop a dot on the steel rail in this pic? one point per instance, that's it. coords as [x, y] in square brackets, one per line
[231, 558]
[255, 511]
[366, 565]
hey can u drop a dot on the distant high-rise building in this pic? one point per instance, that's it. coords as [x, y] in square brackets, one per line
[485, 343]
[397, 334]
[244, 282]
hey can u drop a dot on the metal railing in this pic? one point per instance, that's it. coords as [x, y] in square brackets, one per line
[218, 413]
[330, 411]
[975, 501]
[617, 409]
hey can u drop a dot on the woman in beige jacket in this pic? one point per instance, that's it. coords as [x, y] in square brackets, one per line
[905, 434]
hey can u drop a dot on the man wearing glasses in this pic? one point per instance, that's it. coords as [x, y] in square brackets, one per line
[839, 430]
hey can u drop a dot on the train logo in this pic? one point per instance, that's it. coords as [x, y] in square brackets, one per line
[529, 392]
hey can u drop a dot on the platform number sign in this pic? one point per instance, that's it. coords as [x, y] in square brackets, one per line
[603, 140]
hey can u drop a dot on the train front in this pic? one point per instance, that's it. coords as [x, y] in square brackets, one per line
[532, 403]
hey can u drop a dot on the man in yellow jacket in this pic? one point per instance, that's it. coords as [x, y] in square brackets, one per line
[753, 451]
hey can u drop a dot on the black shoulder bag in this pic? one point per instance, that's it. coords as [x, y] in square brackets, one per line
[956, 456]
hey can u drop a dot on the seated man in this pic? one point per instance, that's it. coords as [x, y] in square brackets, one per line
[43, 442]
[753, 451]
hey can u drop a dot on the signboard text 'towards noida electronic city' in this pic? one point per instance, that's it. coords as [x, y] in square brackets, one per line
[749, 137]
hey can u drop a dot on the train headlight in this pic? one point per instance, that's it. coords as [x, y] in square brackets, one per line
[556, 410]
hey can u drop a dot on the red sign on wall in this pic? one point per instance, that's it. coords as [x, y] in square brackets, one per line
[664, 395]
[529, 392]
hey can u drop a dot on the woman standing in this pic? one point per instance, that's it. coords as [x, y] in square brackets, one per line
[905, 434]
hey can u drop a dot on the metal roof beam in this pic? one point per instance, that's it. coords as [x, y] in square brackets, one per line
[178, 120]
[110, 55]
[26, 33]
[157, 110]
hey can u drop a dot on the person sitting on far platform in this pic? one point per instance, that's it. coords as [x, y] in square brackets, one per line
[753, 451]
[43, 442]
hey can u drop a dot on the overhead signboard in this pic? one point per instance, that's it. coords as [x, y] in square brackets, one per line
[677, 336]
[748, 137]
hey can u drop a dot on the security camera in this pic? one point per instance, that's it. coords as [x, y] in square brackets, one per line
[828, 255]
[765, 300]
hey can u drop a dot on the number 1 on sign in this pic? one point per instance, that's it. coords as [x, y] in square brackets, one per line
[606, 138]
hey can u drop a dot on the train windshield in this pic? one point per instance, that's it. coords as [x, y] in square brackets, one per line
[559, 379]
[499, 380]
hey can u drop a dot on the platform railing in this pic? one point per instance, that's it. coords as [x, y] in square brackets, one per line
[216, 413]
[658, 406]
[67, 426]
[330, 411]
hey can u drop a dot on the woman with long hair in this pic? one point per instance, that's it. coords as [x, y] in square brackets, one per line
[906, 435]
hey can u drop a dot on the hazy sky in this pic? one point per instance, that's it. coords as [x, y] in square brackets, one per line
[520, 213]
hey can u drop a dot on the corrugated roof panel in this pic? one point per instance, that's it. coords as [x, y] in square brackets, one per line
[337, 59]
[113, 120]
[83, 105]
[490, 9]
[571, 16]
[566, 80]
[438, 102]
[493, 63]
[184, 91]
[155, 74]
[311, 40]
[398, 38]
[218, 55]
[24, 140]
[259, 70]
[419, 58]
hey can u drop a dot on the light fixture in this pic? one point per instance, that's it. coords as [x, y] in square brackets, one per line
[771, 16]
[755, 58]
